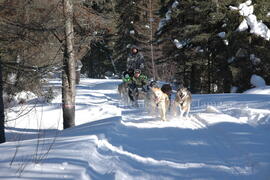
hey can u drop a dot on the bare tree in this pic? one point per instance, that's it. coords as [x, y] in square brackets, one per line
[68, 73]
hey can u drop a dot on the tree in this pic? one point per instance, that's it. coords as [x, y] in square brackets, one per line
[147, 28]
[26, 41]
[98, 60]
[2, 116]
[68, 73]
[127, 18]
[203, 38]
[137, 27]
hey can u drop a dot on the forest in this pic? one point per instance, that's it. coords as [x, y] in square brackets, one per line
[134, 89]
[209, 46]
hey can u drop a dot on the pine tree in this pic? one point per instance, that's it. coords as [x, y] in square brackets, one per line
[127, 35]
[250, 52]
[147, 28]
[203, 34]
[138, 27]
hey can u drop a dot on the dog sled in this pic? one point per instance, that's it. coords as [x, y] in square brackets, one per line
[157, 99]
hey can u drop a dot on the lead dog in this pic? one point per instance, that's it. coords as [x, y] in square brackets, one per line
[182, 101]
[160, 100]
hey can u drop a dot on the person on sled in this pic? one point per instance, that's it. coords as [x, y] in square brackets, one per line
[135, 66]
[135, 59]
[135, 82]
[135, 77]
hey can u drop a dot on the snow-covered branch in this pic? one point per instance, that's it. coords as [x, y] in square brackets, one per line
[257, 27]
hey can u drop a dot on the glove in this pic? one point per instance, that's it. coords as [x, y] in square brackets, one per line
[126, 79]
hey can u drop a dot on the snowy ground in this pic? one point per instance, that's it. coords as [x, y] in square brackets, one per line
[227, 137]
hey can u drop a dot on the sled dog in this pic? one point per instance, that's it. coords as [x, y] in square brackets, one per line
[149, 100]
[167, 89]
[133, 94]
[123, 92]
[182, 101]
[159, 99]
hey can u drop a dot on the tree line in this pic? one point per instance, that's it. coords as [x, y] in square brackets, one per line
[195, 43]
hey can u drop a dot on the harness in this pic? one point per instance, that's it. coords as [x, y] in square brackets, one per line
[159, 100]
[182, 96]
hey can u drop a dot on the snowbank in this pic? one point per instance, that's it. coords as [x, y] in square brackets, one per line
[259, 90]
[257, 81]
[226, 137]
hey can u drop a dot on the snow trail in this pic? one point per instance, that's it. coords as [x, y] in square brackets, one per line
[226, 137]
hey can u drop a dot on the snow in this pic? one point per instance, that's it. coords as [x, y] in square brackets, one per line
[222, 34]
[234, 89]
[226, 137]
[175, 4]
[255, 60]
[246, 10]
[12, 78]
[259, 90]
[243, 26]
[231, 59]
[257, 81]
[168, 14]
[180, 44]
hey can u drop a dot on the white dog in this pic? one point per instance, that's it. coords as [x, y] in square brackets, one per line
[159, 99]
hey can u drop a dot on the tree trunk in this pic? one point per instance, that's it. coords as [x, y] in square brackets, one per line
[2, 115]
[195, 84]
[68, 73]
[151, 40]
[78, 75]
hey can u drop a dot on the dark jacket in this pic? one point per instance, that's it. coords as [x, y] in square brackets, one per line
[135, 61]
